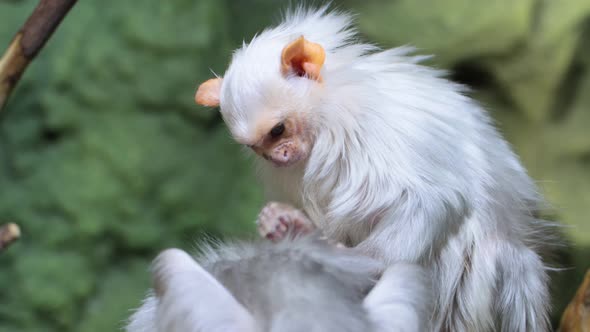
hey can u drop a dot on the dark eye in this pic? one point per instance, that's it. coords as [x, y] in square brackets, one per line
[277, 130]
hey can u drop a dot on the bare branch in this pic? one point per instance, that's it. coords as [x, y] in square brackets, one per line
[576, 316]
[8, 234]
[29, 41]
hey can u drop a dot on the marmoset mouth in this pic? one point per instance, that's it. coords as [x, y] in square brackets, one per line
[284, 155]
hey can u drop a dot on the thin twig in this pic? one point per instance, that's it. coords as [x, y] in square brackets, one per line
[8, 234]
[576, 316]
[28, 41]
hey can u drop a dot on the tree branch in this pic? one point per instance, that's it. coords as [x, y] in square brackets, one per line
[8, 234]
[29, 41]
[576, 316]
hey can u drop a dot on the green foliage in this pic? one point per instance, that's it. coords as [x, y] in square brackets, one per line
[104, 159]
[454, 29]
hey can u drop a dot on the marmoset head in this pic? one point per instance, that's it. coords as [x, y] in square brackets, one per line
[267, 96]
[301, 284]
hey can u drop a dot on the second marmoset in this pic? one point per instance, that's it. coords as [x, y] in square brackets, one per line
[386, 155]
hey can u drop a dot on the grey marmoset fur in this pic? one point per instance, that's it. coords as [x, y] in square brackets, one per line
[303, 284]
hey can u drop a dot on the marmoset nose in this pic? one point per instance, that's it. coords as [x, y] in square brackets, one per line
[281, 155]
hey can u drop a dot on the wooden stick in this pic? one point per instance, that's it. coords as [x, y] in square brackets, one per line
[8, 234]
[576, 317]
[28, 41]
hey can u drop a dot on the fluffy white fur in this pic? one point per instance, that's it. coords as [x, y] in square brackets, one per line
[404, 167]
[302, 285]
[187, 298]
[394, 303]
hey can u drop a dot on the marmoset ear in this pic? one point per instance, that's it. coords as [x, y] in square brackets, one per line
[190, 299]
[303, 58]
[208, 92]
[405, 290]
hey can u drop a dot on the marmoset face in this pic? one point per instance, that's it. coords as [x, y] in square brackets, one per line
[283, 142]
[270, 108]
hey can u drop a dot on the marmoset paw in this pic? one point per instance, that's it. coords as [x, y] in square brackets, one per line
[276, 220]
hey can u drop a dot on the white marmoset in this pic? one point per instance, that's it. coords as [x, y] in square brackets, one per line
[306, 284]
[387, 156]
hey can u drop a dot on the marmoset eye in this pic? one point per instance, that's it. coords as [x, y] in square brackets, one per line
[277, 130]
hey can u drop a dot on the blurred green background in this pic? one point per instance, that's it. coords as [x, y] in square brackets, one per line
[104, 158]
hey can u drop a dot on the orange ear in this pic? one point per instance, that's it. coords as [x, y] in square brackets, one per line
[208, 92]
[303, 57]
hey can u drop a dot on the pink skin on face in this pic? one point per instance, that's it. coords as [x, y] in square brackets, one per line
[284, 144]
[285, 154]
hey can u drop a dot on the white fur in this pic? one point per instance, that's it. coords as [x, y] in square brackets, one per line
[300, 285]
[188, 299]
[400, 301]
[404, 166]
